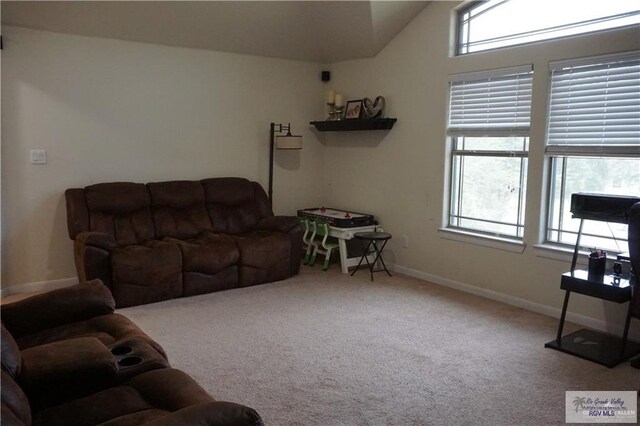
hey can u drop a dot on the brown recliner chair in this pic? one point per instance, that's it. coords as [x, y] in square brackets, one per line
[163, 240]
[78, 363]
[82, 310]
[67, 340]
[159, 397]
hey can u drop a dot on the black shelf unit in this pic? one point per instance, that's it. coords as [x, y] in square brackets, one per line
[351, 125]
[591, 345]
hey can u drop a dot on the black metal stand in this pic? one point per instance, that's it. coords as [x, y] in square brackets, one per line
[574, 260]
[372, 239]
[593, 345]
[597, 347]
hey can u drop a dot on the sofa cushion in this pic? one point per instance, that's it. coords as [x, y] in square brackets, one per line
[122, 210]
[210, 263]
[231, 204]
[146, 397]
[146, 273]
[178, 209]
[264, 257]
[16, 410]
[66, 369]
[209, 253]
[11, 358]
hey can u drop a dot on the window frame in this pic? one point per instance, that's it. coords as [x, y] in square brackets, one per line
[473, 4]
[553, 165]
[472, 116]
[455, 180]
[459, 25]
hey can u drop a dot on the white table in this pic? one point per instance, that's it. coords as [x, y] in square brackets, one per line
[344, 234]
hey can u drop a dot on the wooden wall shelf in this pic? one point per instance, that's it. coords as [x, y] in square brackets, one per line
[350, 125]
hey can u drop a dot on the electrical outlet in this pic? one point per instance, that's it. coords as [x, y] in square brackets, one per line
[405, 241]
[38, 156]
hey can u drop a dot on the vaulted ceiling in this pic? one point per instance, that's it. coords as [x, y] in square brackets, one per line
[317, 31]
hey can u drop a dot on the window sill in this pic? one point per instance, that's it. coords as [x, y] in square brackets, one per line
[561, 253]
[499, 243]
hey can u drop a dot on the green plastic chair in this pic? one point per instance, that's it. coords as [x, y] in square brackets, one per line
[307, 238]
[321, 244]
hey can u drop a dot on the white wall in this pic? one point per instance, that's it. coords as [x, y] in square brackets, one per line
[108, 110]
[400, 175]
[112, 110]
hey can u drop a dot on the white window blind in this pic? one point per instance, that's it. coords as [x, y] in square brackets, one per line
[594, 106]
[493, 103]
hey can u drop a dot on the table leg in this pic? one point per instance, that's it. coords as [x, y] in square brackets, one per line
[366, 256]
[379, 256]
[363, 257]
[342, 248]
[562, 316]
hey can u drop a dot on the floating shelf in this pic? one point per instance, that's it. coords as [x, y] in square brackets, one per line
[349, 125]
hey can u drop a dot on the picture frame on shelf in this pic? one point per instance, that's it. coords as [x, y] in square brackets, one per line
[353, 110]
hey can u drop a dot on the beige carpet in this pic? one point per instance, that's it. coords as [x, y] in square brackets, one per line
[329, 349]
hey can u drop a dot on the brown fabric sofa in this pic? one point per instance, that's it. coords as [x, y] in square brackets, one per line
[75, 374]
[163, 240]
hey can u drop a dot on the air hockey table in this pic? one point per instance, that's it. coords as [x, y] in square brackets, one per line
[343, 225]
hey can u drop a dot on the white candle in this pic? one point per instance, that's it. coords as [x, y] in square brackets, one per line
[339, 100]
[331, 97]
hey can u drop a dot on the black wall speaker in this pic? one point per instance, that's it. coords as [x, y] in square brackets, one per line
[326, 76]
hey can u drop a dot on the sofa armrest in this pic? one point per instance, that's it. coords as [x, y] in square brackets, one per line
[66, 369]
[217, 413]
[289, 225]
[278, 223]
[92, 255]
[96, 239]
[54, 308]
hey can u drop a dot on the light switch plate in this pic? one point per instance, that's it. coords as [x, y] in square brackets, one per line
[38, 156]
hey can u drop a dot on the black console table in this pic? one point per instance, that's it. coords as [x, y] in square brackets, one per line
[593, 345]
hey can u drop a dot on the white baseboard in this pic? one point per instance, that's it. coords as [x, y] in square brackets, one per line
[551, 311]
[38, 286]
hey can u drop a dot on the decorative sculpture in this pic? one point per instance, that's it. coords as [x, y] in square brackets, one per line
[373, 109]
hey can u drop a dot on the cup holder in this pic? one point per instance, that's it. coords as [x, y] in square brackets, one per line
[130, 361]
[121, 350]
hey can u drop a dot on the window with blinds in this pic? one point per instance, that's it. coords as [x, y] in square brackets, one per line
[489, 121]
[596, 106]
[593, 140]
